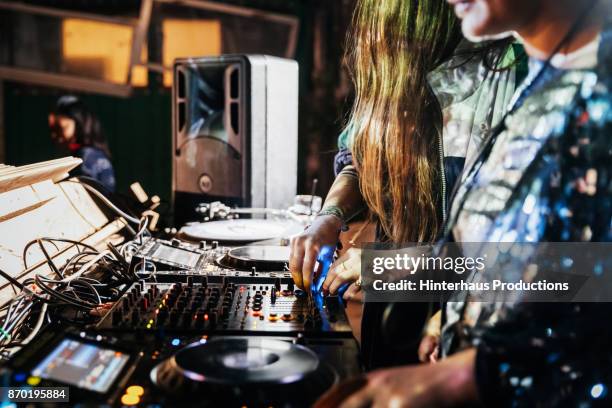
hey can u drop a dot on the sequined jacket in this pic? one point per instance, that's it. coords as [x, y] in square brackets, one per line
[548, 178]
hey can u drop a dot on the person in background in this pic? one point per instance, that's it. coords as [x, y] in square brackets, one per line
[75, 129]
[543, 176]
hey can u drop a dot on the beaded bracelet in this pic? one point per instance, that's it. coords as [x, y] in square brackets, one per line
[336, 212]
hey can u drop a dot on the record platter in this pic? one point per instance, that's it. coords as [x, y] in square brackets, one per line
[256, 369]
[238, 231]
[263, 258]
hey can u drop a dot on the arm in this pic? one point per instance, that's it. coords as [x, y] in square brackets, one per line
[342, 203]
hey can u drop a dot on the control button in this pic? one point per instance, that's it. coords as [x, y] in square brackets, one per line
[135, 390]
[175, 242]
[130, 399]
[20, 377]
[33, 380]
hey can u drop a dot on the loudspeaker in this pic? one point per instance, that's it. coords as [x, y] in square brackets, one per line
[235, 120]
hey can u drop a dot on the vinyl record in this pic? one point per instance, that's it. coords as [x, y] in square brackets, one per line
[249, 371]
[264, 258]
[240, 230]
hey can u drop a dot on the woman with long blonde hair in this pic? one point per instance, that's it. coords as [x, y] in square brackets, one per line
[424, 100]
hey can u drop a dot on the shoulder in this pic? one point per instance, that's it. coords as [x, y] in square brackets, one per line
[94, 158]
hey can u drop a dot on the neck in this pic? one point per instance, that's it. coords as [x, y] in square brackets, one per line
[541, 35]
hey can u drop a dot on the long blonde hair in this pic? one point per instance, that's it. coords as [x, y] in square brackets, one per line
[395, 118]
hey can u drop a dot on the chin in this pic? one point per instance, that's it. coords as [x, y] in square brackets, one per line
[477, 30]
[480, 37]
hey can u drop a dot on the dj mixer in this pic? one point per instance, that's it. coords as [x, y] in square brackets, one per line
[232, 308]
[204, 325]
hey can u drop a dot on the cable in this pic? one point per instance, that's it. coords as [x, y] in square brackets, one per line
[106, 201]
[12, 280]
[50, 262]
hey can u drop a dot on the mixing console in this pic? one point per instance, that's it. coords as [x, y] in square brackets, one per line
[245, 308]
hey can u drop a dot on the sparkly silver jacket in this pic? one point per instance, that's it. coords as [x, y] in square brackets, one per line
[547, 178]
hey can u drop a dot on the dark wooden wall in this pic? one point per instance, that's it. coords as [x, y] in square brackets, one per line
[139, 130]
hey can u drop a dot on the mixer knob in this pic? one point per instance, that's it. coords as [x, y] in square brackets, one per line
[277, 284]
[215, 244]
[186, 317]
[253, 271]
[174, 316]
[203, 245]
[175, 242]
[144, 304]
[273, 297]
[290, 286]
[135, 316]
[117, 317]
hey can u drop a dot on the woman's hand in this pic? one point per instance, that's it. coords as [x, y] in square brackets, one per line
[346, 269]
[429, 346]
[305, 248]
[353, 293]
[428, 349]
[448, 383]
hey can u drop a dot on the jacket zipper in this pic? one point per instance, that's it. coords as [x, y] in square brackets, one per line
[442, 176]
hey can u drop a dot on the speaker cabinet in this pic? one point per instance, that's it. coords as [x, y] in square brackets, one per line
[235, 120]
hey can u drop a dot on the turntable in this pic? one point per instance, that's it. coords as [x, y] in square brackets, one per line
[238, 231]
[263, 258]
[238, 370]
